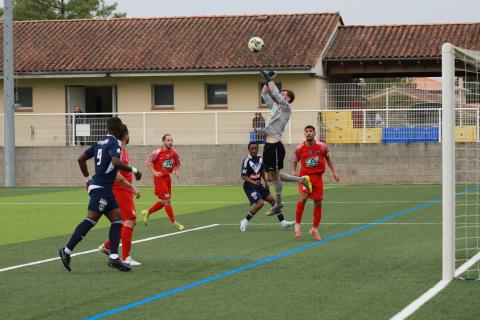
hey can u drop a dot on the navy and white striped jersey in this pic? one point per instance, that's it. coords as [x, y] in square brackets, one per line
[102, 153]
[252, 167]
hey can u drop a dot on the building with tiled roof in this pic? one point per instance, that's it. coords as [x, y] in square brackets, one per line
[193, 64]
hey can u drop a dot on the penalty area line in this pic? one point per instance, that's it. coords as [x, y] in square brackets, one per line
[96, 250]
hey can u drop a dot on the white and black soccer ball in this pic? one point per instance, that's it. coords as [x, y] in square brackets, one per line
[256, 44]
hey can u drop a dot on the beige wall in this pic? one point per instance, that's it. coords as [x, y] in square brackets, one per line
[134, 94]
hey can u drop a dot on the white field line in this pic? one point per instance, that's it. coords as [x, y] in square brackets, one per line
[420, 301]
[96, 250]
[467, 265]
[338, 223]
[223, 202]
[432, 292]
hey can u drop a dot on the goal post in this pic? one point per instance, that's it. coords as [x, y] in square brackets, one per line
[460, 163]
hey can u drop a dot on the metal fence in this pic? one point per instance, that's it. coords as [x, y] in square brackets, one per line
[393, 125]
[405, 111]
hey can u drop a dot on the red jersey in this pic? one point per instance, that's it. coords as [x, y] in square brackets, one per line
[127, 175]
[311, 158]
[164, 160]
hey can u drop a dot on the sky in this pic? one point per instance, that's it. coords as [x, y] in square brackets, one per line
[353, 12]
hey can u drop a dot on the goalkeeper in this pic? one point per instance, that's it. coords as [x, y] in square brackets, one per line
[274, 151]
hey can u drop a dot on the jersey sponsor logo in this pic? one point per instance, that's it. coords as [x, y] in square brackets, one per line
[102, 204]
[254, 195]
[311, 162]
[167, 164]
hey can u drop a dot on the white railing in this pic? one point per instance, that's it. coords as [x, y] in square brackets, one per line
[372, 125]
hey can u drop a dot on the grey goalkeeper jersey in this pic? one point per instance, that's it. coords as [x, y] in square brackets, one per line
[280, 113]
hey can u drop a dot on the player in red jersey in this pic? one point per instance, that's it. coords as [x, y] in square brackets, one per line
[312, 155]
[124, 190]
[162, 162]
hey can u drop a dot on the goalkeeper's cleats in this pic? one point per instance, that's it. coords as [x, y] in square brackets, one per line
[130, 262]
[243, 225]
[104, 250]
[145, 216]
[65, 257]
[178, 226]
[298, 232]
[118, 264]
[314, 233]
[307, 183]
[275, 209]
[287, 224]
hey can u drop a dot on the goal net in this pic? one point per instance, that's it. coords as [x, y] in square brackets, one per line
[461, 163]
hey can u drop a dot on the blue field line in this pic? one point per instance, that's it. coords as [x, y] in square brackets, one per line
[265, 261]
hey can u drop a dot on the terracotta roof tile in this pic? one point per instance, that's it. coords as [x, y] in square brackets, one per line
[401, 41]
[169, 44]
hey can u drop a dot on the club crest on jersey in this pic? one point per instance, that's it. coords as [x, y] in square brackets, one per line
[102, 204]
[167, 164]
[312, 162]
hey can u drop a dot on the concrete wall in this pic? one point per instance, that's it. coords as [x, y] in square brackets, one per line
[220, 164]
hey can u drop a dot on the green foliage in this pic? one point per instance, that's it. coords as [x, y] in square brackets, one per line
[64, 9]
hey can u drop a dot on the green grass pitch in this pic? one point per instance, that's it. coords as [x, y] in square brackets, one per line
[368, 274]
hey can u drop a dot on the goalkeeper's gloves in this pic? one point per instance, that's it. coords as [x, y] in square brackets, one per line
[266, 74]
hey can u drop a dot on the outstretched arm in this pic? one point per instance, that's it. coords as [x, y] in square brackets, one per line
[276, 95]
[266, 96]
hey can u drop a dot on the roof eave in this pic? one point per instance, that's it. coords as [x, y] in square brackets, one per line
[157, 73]
[376, 59]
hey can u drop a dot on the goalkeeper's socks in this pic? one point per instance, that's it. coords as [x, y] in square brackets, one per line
[80, 231]
[317, 216]
[169, 211]
[114, 237]
[299, 211]
[249, 216]
[157, 206]
[278, 192]
[288, 178]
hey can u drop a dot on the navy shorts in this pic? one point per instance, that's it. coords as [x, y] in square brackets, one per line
[102, 201]
[255, 193]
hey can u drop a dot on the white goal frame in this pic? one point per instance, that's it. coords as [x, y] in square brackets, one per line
[449, 53]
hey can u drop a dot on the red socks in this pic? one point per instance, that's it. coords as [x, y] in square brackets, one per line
[299, 212]
[126, 241]
[126, 236]
[317, 216]
[169, 211]
[157, 206]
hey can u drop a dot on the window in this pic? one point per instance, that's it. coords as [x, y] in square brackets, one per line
[163, 95]
[23, 98]
[217, 95]
[262, 103]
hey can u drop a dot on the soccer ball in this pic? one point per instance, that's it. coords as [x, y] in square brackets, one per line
[256, 44]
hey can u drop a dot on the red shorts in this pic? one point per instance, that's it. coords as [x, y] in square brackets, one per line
[125, 202]
[317, 187]
[163, 187]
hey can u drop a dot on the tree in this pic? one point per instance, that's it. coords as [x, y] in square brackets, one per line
[64, 9]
